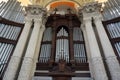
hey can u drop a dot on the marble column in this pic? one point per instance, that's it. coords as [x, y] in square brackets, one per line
[87, 50]
[96, 59]
[10, 73]
[111, 60]
[27, 65]
[42, 29]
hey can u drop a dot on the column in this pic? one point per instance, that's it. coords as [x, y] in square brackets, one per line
[27, 65]
[96, 59]
[87, 50]
[111, 59]
[42, 29]
[14, 63]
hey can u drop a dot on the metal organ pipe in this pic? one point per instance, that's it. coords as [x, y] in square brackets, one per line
[46, 48]
[111, 9]
[114, 31]
[5, 51]
[79, 49]
[62, 46]
[7, 9]
[9, 32]
[2, 5]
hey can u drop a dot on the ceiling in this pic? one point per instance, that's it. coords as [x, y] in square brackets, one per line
[45, 3]
[61, 5]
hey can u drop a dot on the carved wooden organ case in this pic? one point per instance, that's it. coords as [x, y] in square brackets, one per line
[63, 48]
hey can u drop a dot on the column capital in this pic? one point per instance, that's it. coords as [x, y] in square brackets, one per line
[90, 10]
[35, 9]
[91, 7]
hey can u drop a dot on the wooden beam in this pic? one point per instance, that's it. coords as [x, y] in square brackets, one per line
[115, 20]
[58, 74]
[3, 40]
[78, 42]
[115, 40]
[9, 22]
[46, 42]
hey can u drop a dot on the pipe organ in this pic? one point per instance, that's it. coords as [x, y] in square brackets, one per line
[79, 47]
[62, 46]
[9, 33]
[64, 51]
[46, 46]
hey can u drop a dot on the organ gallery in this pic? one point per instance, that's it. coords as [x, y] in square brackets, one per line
[60, 40]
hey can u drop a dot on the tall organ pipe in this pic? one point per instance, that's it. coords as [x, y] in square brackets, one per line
[46, 48]
[114, 31]
[79, 50]
[62, 46]
[111, 9]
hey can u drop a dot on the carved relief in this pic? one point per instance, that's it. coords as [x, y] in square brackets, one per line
[92, 7]
[35, 10]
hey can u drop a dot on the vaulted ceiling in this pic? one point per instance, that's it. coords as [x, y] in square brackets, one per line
[45, 3]
[78, 2]
[60, 4]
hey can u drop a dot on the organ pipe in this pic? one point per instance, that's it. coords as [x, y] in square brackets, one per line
[5, 51]
[12, 11]
[79, 49]
[46, 48]
[114, 31]
[111, 9]
[9, 32]
[62, 46]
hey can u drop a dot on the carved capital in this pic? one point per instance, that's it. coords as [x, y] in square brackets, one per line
[35, 10]
[92, 7]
